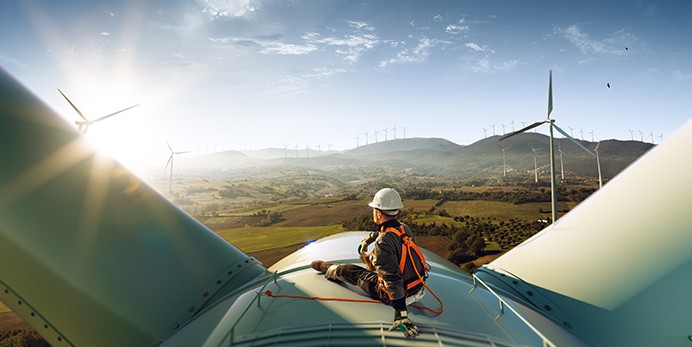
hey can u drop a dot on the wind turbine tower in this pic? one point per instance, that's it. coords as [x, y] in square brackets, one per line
[366, 138]
[535, 165]
[385, 133]
[405, 132]
[170, 162]
[598, 163]
[375, 131]
[357, 139]
[631, 134]
[641, 134]
[504, 165]
[562, 166]
[394, 132]
[552, 125]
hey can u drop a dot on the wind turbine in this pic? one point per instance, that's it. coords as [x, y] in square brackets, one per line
[598, 162]
[485, 133]
[535, 164]
[631, 134]
[375, 131]
[504, 166]
[357, 140]
[652, 136]
[394, 131]
[562, 166]
[503, 128]
[170, 161]
[493, 126]
[366, 138]
[552, 125]
[385, 133]
[591, 132]
[405, 132]
[641, 134]
[84, 125]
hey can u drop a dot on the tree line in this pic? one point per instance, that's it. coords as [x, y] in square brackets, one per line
[468, 236]
[514, 197]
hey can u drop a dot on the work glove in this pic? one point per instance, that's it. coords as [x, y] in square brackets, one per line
[365, 259]
[403, 323]
[363, 246]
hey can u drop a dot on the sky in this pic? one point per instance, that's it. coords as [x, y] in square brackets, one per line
[213, 75]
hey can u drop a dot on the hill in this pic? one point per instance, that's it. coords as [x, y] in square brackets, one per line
[436, 157]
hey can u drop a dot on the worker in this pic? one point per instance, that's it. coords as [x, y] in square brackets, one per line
[387, 279]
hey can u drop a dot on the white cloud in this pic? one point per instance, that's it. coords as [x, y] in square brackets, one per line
[416, 54]
[614, 44]
[458, 28]
[265, 46]
[485, 65]
[228, 8]
[301, 83]
[477, 48]
[350, 47]
[105, 33]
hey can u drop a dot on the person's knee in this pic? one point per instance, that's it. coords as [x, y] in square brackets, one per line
[332, 273]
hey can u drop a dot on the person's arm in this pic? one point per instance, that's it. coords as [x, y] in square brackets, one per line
[363, 245]
[387, 265]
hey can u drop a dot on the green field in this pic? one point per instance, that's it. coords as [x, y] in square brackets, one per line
[500, 210]
[253, 239]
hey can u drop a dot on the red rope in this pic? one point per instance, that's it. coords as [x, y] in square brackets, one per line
[272, 295]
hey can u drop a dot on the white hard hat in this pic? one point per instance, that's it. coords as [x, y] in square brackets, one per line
[387, 200]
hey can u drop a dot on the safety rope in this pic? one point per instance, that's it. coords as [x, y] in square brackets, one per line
[321, 298]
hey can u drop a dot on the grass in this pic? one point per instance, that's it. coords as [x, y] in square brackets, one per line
[253, 239]
[500, 210]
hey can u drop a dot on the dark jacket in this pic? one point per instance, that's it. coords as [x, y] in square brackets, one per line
[386, 258]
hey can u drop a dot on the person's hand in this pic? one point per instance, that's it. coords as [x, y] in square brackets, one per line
[365, 259]
[363, 247]
[403, 323]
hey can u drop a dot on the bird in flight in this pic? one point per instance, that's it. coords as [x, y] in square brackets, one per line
[608, 84]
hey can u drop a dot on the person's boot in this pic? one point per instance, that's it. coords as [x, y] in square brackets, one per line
[320, 265]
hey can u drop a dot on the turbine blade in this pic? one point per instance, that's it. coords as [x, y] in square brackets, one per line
[598, 144]
[113, 114]
[573, 140]
[73, 106]
[521, 130]
[168, 162]
[169, 147]
[550, 93]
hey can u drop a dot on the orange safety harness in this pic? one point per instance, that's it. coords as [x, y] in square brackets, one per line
[407, 250]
